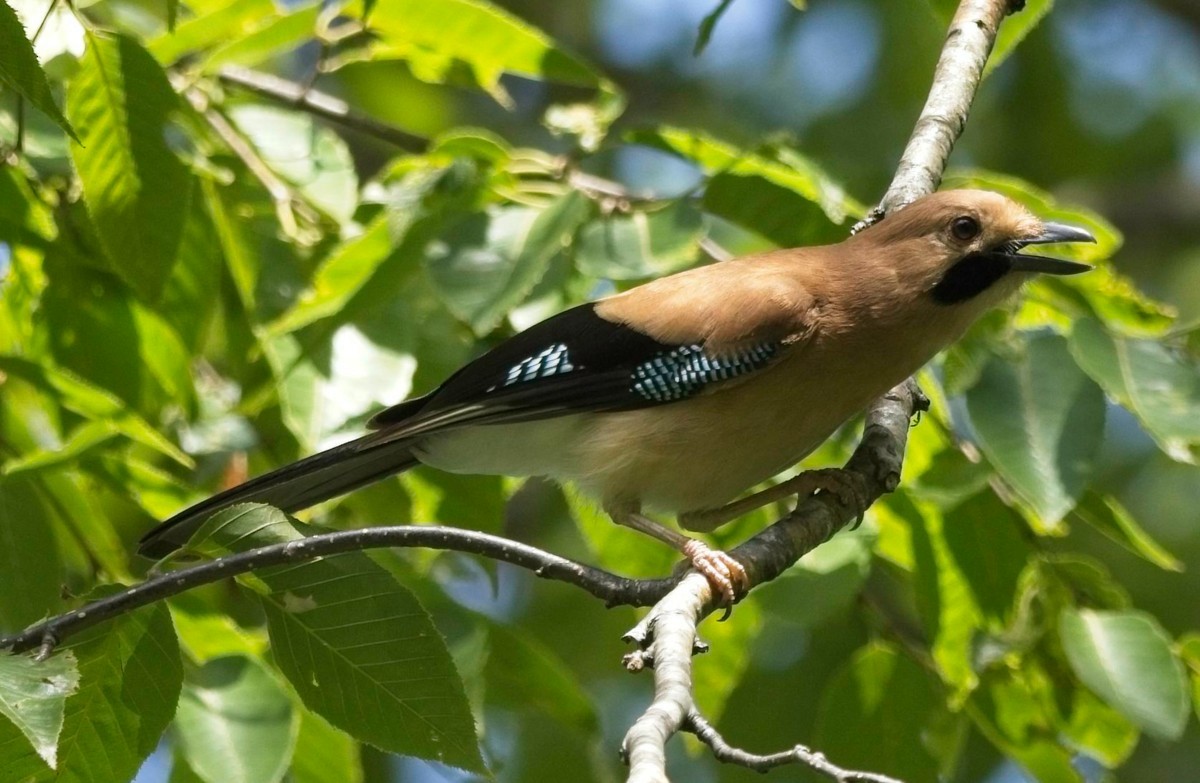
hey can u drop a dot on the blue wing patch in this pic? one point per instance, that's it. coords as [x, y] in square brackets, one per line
[555, 360]
[682, 372]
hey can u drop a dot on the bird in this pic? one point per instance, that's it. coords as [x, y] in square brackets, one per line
[681, 394]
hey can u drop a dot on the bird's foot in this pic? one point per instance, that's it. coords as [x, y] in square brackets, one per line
[847, 486]
[725, 575]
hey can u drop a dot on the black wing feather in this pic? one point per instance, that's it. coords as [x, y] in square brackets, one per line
[572, 362]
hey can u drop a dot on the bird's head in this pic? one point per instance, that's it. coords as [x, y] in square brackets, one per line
[965, 248]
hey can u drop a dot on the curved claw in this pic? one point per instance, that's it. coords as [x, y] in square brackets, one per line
[726, 575]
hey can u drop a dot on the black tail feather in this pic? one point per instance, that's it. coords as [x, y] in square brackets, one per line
[293, 487]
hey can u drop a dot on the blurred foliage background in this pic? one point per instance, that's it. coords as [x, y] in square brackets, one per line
[216, 280]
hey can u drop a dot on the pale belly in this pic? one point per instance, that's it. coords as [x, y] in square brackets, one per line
[693, 455]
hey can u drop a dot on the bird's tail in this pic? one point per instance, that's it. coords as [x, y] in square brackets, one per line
[293, 487]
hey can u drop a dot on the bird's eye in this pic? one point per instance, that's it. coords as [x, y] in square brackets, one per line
[965, 228]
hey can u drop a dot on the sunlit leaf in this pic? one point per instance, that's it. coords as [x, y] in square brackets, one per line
[356, 645]
[33, 696]
[437, 38]
[20, 70]
[274, 35]
[1040, 420]
[235, 722]
[825, 582]
[225, 22]
[324, 753]
[136, 189]
[310, 156]
[1126, 659]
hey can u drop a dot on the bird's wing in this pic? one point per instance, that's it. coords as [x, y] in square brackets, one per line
[591, 359]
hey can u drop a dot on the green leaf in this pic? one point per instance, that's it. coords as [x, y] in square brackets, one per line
[640, 245]
[356, 645]
[129, 679]
[1189, 651]
[522, 674]
[226, 22]
[235, 722]
[470, 42]
[707, 25]
[1014, 709]
[1099, 730]
[1159, 386]
[1014, 29]
[310, 156]
[822, 585]
[33, 696]
[31, 568]
[491, 261]
[1110, 517]
[276, 35]
[772, 189]
[1125, 657]
[324, 753]
[1040, 420]
[136, 190]
[24, 217]
[19, 69]
[884, 696]
[983, 536]
[92, 402]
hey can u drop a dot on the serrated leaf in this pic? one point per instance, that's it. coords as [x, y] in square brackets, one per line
[129, 679]
[235, 723]
[136, 189]
[33, 697]
[1125, 657]
[1159, 386]
[640, 245]
[491, 261]
[1040, 420]
[20, 70]
[357, 646]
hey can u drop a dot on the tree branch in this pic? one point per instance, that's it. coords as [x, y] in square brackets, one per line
[612, 589]
[699, 726]
[668, 633]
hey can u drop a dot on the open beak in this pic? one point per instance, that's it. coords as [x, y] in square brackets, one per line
[1051, 233]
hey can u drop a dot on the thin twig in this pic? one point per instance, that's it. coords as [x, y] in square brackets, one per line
[320, 104]
[612, 589]
[697, 724]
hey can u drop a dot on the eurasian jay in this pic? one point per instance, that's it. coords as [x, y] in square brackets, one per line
[681, 394]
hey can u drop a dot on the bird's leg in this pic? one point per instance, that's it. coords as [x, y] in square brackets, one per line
[726, 575]
[844, 485]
